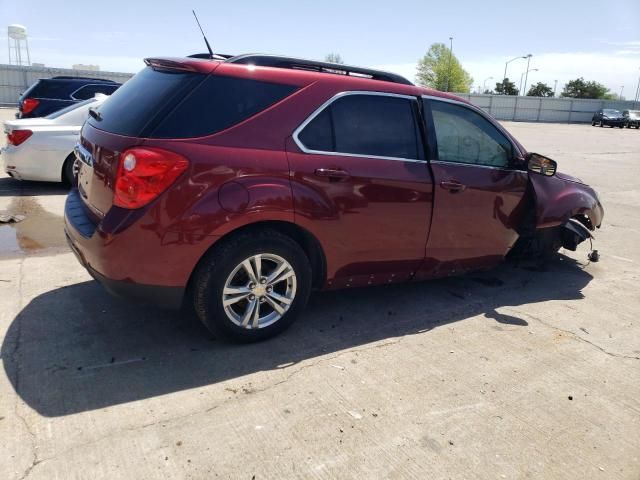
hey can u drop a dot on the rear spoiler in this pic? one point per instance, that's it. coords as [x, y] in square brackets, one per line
[170, 65]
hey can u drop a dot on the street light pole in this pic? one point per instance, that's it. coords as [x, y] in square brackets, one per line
[621, 89]
[555, 85]
[526, 77]
[504, 77]
[523, 74]
[484, 85]
[450, 55]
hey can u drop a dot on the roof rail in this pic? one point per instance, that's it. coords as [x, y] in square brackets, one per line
[264, 60]
[69, 77]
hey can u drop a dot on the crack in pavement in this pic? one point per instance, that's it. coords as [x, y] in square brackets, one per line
[171, 420]
[16, 381]
[578, 337]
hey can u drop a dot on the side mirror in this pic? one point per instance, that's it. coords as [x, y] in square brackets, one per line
[540, 164]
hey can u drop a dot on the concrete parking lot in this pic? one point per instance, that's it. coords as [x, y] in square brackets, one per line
[526, 371]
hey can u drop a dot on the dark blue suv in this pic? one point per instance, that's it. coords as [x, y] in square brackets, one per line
[49, 95]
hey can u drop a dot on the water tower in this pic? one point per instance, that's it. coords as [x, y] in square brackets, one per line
[18, 45]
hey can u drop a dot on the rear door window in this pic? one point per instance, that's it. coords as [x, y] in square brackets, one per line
[368, 125]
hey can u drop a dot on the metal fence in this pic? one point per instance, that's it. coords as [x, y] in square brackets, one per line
[16, 79]
[542, 109]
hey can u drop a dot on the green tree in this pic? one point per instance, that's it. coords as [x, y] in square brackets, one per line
[540, 90]
[334, 58]
[506, 88]
[441, 70]
[578, 88]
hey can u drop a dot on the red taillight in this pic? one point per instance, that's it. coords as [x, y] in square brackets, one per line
[144, 173]
[16, 137]
[29, 104]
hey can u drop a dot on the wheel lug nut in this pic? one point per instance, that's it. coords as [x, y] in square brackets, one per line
[262, 299]
[252, 286]
[269, 289]
[252, 297]
[263, 281]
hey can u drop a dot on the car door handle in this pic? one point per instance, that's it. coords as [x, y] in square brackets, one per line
[452, 185]
[332, 173]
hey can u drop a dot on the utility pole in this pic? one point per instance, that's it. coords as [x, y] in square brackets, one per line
[450, 55]
[526, 77]
[555, 85]
[621, 89]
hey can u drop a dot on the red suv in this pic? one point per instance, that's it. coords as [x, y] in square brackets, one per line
[239, 185]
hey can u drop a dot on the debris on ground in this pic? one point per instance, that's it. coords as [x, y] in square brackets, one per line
[6, 217]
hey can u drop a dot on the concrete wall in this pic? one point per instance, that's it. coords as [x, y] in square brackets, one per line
[16, 79]
[539, 109]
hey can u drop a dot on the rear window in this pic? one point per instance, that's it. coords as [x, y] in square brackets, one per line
[156, 104]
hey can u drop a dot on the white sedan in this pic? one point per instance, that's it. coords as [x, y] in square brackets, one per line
[41, 149]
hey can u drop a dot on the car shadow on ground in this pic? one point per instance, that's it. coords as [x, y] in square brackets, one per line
[10, 187]
[76, 348]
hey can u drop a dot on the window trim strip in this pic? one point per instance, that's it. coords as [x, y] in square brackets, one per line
[337, 96]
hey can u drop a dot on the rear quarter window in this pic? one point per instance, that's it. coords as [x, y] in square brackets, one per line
[149, 95]
[219, 103]
[89, 91]
[50, 89]
[166, 104]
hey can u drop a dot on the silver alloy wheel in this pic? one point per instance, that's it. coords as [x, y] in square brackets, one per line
[259, 291]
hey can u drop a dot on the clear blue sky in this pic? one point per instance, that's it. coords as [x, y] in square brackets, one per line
[597, 40]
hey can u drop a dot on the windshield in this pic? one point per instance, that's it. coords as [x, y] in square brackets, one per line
[70, 108]
[611, 112]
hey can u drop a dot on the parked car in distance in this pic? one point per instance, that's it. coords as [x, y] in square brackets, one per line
[41, 149]
[236, 186]
[49, 95]
[631, 118]
[608, 116]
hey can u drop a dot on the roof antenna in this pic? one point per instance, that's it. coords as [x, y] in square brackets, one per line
[203, 35]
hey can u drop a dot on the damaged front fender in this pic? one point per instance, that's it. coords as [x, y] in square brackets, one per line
[561, 198]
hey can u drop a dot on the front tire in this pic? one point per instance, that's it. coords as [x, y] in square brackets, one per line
[253, 286]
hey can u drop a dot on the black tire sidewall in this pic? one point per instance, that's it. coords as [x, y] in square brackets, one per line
[215, 270]
[67, 171]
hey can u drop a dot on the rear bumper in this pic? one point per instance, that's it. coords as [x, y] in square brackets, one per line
[165, 297]
[111, 259]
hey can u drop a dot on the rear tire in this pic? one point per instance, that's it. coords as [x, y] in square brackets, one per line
[237, 290]
[601, 124]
